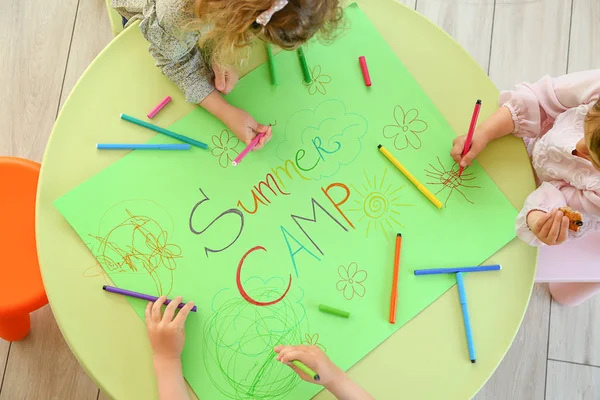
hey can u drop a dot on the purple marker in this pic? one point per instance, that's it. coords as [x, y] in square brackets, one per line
[137, 295]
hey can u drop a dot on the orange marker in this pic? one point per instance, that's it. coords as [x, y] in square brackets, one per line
[395, 281]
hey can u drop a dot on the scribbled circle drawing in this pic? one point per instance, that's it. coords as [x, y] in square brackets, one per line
[134, 237]
[449, 180]
[406, 130]
[239, 339]
[351, 282]
[378, 203]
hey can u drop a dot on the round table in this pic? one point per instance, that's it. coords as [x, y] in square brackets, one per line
[426, 359]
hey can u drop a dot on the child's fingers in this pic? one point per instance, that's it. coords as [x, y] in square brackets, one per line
[170, 310]
[555, 228]
[543, 221]
[183, 313]
[564, 230]
[456, 151]
[148, 313]
[231, 80]
[285, 350]
[219, 79]
[262, 129]
[292, 355]
[156, 314]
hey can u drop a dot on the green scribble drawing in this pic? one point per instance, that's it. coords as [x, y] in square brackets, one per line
[239, 339]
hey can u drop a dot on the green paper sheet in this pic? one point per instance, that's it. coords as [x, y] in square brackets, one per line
[310, 219]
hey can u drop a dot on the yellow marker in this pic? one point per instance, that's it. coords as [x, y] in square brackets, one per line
[410, 177]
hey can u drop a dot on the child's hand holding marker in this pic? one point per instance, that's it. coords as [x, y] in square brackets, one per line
[497, 125]
[329, 375]
[240, 122]
[167, 337]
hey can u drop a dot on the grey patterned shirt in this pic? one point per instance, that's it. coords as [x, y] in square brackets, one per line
[174, 48]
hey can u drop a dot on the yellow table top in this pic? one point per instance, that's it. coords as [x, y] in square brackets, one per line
[426, 359]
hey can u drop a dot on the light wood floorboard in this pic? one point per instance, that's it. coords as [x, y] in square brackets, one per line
[572, 382]
[522, 373]
[41, 366]
[585, 36]
[468, 22]
[91, 34]
[575, 333]
[530, 40]
[35, 43]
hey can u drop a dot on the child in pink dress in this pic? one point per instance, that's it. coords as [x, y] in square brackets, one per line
[559, 120]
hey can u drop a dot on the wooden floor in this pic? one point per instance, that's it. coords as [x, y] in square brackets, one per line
[47, 45]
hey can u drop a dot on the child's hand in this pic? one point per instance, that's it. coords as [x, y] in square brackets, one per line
[551, 228]
[246, 128]
[225, 79]
[314, 359]
[477, 145]
[166, 332]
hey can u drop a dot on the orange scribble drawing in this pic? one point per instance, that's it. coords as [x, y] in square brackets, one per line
[449, 179]
[406, 130]
[136, 244]
[318, 82]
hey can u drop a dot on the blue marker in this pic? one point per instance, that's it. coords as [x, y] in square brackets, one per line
[479, 268]
[164, 131]
[465, 311]
[119, 146]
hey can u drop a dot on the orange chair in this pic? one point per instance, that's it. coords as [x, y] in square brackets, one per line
[21, 287]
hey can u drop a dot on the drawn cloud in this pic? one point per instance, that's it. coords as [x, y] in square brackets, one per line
[322, 140]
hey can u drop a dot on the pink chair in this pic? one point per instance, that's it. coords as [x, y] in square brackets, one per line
[572, 269]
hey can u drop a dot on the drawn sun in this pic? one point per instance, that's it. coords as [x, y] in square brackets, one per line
[448, 180]
[378, 203]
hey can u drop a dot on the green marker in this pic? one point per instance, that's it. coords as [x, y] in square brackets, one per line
[334, 311]
[305, 70]
[271, 64]
[300, 365]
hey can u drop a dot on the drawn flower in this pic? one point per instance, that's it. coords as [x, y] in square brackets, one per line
[351, 281]
[406, 130]
[313, 340]
[224, 149]
[318, 81]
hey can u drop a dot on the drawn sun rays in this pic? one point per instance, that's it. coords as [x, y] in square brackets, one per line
[379, 204]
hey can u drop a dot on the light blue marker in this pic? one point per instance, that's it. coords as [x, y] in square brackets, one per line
[462, 295]
[123, 146]
[164, 131]
[479, 268]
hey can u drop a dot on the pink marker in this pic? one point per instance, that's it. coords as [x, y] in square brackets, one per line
[471, 131]
[244, 152]
[365, 70]
[159, 107]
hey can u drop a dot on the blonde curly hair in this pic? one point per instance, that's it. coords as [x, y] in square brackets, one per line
[231, 25]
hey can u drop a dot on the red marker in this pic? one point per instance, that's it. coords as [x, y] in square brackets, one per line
[365, 70]
[471, 131]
